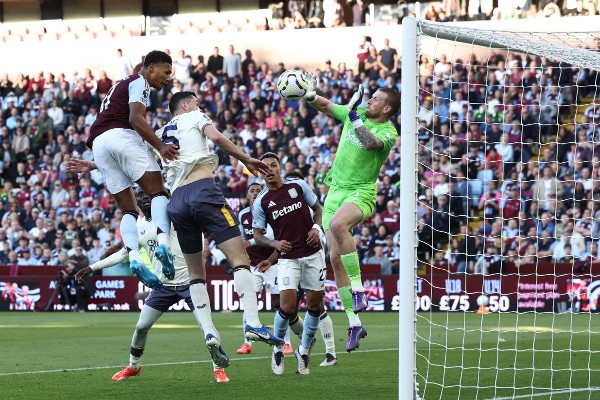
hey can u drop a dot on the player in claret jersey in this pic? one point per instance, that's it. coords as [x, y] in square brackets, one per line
[258, 254]
[117, 139]
[285, 206]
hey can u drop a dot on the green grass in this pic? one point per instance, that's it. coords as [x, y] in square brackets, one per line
[74, 355]
[83, 350]
[509, 355]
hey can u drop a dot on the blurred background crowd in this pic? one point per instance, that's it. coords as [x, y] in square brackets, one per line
[49, 216]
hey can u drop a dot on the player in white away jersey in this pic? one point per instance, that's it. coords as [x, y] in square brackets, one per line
[197, 203]
[160, 300]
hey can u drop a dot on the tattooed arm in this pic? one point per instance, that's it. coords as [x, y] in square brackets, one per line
[370, 141]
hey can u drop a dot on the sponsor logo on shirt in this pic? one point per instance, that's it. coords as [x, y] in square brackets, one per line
[286, 210]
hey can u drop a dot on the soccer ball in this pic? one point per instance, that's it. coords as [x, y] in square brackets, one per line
[292, 85]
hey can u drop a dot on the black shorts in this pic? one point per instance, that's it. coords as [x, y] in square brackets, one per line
[200, 207]
[163, 298]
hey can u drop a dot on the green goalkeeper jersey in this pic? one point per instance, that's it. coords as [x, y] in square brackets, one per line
[353, 165]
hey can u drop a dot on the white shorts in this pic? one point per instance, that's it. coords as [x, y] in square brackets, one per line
[308, 272]
[268, 278]
[122, 158]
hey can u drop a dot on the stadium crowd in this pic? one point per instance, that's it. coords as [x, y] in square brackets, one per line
[508, 164]
[295, 14]
[49, 216]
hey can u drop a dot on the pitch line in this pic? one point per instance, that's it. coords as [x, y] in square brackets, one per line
[168, 363]
[545, 394]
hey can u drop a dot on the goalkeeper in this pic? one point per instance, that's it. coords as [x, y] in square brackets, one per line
[366, 140]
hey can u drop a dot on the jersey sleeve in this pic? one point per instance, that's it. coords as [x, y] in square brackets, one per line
[202, 120]
[259, 219]
[309, 195]
[339, 112]
[139, 91]
[388, 136]
[242, 230]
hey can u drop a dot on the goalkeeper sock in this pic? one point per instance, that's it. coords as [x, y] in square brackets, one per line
[352, 267]
[297, 326]
[326, 328]
[346, 297]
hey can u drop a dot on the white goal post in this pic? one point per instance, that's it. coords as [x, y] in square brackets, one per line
[512, 313]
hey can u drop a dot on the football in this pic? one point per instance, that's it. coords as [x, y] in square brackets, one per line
[292, 85]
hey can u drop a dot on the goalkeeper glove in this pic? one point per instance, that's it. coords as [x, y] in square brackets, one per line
[311, 90]
[355, 102]
[353, 106]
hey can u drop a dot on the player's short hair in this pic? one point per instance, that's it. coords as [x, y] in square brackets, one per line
[177, 98]
[252, 184]
[157, 57]
[392, 99]
[270, 155]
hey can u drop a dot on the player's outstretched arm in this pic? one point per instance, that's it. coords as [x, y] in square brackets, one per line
[137, 111]
[317, 102]
[254, 166]
[364, 135]
[109, 261]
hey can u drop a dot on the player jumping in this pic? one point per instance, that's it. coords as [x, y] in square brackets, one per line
[117, 139]
[367, 138]
[197, 203]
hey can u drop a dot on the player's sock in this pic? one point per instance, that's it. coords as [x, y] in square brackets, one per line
[297, 325]
[158, 207]
[281, 324]
[352, 267]
[135, 357]
[129, 234]
[286, 338]
[148, 316]
[244, 323]
[244, 286]
[311, 324]
[346, 297]
[201, 302]
[326, 328]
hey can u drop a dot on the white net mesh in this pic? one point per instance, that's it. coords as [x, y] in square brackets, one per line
[508, 214]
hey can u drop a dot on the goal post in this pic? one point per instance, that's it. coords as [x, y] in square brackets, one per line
[499, 280]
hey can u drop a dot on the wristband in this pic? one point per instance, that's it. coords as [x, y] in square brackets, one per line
[252, 242]
[318, 227]
[355, 119]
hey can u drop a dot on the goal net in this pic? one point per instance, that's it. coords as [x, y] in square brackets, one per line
[500, 207]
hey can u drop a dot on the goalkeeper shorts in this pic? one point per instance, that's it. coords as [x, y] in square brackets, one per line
[363, 197]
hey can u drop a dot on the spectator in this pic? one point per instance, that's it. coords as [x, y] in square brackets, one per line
[380, 258]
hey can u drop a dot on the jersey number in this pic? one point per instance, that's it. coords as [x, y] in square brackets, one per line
[106, 100]
[322, 277]
[169, 139]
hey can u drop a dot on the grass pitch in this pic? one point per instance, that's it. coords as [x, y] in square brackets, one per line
[462, 356]
[74, 355]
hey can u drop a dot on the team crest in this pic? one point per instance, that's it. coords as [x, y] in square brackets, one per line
[293, 193]
[286, 281]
